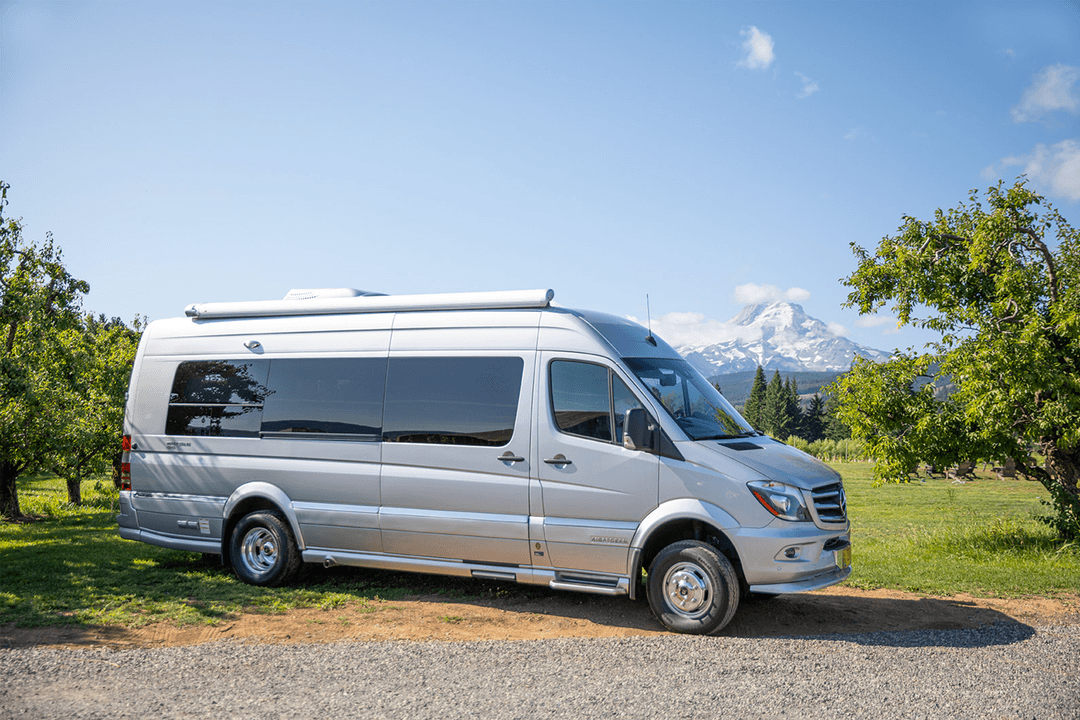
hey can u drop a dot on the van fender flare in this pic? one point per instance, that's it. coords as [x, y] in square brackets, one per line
[270, 493]
[681, 509]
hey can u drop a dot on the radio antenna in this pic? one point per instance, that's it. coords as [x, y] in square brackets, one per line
[648, 314]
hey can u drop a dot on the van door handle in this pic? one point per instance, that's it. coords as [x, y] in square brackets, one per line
[511, 457]
[559, 459]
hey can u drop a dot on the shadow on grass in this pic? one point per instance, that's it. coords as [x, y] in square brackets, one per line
[78, 573]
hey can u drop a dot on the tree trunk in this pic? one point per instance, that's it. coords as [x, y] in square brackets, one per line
[1063, 466]
[9, 491]
[74, 488]
[1059, 476]
[117, 461]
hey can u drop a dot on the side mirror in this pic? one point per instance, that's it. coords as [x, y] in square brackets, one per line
[637, 430]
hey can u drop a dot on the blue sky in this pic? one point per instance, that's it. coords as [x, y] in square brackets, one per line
[704, 153]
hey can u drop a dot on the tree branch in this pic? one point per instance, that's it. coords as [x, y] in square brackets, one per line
[1048, 258]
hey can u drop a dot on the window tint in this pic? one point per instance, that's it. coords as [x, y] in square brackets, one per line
[589, 400]
[339, 396]
[580, 399]
[217, 398]
[458, 401]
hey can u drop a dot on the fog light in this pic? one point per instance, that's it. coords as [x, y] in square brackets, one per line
[793, 552]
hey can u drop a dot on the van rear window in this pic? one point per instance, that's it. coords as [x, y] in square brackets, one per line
[453, 401]
[326, 396]
[218, 398]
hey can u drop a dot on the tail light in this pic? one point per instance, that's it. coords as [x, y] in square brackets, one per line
[125, 464]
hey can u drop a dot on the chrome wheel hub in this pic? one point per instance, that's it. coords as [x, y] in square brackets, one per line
[688, 590]
[259, 551]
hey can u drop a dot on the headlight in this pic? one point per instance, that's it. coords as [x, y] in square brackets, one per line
[783, 501]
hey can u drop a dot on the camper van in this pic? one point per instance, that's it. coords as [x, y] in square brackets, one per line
[491, 435]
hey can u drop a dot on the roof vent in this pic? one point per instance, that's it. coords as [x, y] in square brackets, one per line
[320, 293]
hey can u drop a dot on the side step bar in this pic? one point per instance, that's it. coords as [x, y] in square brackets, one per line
[591, 584]
[576, 582]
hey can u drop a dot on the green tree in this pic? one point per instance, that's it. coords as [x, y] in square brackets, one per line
[813, 428]
[776, 415]
[1001, 284]
[794, 406]
[756, 401]
[39, 300]
[95, 361]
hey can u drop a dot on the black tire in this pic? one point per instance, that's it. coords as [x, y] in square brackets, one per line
[263, 551]
[693, 588]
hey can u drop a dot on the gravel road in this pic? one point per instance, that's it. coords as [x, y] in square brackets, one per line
[1008, 670]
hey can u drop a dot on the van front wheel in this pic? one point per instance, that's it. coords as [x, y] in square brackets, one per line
[263, 551]
[692, 588]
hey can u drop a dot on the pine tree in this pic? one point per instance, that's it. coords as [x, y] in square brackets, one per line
[776, 415]
[794, 408]
[814, 420]
[755, 403]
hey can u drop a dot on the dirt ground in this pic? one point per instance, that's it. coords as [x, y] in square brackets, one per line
[558, 615]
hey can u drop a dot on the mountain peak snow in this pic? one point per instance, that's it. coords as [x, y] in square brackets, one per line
[777, 336]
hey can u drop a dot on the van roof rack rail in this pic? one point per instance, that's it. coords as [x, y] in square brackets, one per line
[373, 303]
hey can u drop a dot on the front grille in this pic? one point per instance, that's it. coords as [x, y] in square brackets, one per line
[830, 503]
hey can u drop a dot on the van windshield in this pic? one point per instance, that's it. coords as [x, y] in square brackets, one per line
[698, 407]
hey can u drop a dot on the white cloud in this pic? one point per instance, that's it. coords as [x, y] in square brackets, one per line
[1054, 88]
[1055, 169]
[690, 328]
[872, 321]
[837, 329]
[751, 294]
[855, 133]
[809, 87]
[759, 49]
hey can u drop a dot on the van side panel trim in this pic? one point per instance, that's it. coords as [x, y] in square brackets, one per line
[358, 516]
[178, 503]
[448, 522]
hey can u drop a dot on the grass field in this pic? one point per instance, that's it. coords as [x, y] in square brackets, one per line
[934, 537]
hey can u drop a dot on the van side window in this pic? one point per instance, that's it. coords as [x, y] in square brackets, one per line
[218, 398]
[452, 400]
[622, 399]
[580, 399]
[325, 397]
[589, 400]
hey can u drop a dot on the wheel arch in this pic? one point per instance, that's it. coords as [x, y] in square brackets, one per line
[249, 498]
[683, 519]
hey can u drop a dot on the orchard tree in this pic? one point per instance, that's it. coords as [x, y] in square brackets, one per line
[39, 301]
[93, 363]
[999, 280]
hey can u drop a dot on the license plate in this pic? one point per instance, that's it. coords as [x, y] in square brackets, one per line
[843, 558]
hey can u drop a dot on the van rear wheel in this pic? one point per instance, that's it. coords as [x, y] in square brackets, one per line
[263, 550]
[693, 588]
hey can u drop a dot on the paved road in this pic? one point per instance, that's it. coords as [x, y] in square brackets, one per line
[1002, 671]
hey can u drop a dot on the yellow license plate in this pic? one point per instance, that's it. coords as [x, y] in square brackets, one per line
[843, 558]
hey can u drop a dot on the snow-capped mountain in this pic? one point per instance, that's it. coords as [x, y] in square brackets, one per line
[777, 336]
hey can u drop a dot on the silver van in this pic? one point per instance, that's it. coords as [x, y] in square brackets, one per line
[491, 435]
